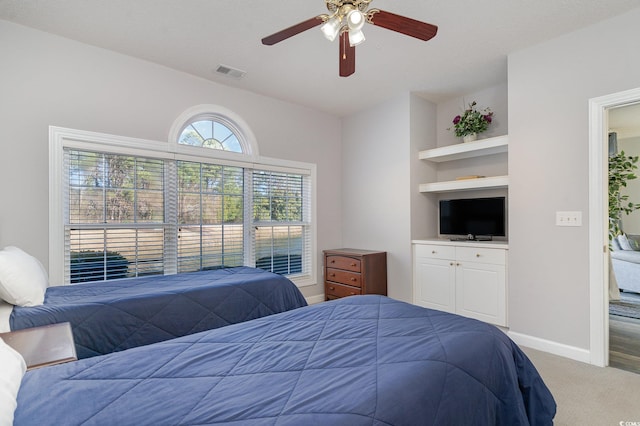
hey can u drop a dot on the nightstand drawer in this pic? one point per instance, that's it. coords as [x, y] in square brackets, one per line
[343, 262]
[339, 290]
[344, 277]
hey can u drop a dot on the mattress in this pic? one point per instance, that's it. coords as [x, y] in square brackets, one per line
[109, 316]
[361, 360]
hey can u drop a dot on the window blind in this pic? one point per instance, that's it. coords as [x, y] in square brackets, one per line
[281, 222]
[128, 216]
[114, 221]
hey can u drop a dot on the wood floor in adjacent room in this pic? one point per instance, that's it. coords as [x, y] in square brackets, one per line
[624, 343]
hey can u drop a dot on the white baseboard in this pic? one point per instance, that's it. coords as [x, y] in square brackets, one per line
[312, 300]
[560, 349]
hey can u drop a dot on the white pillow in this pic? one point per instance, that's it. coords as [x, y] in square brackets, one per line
[13, 368]
[23, 279]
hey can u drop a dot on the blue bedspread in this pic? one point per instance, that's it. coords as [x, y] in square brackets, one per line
[362, 360]
[110, 316]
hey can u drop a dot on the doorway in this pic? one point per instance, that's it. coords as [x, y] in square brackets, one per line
[624, 305]
[598, 223]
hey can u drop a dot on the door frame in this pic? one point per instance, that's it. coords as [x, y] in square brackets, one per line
[598, 222]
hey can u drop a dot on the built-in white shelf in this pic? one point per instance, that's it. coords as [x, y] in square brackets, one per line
[489, 146]
[466, 184]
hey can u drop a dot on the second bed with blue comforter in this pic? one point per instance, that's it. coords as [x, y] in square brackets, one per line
[110, 316]
[362, 360]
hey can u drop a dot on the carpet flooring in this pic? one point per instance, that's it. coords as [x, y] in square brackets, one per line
[588, 395]
[628, 305]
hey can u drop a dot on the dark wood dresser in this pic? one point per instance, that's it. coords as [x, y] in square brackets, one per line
[348, 272]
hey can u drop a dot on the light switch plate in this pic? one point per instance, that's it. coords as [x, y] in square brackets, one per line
[569, 218]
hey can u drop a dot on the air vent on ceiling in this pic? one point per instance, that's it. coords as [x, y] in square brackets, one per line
[230, 72]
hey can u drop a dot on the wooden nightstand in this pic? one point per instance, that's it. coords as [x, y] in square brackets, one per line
[43, 346]
[349, 272]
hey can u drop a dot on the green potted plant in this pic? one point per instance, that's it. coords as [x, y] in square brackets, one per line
[471, 122]
[621, 169]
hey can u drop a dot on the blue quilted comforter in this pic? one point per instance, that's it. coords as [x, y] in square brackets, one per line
[362, 360]
[110, 316]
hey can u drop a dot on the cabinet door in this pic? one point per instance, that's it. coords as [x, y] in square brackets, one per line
[481, 292]
[434, 284]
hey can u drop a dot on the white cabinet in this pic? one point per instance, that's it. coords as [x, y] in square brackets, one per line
[466, 278]
[490, 146]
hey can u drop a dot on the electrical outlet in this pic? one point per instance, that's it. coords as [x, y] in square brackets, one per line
[569, 218]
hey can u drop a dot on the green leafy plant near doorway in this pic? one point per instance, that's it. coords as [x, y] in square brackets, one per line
[622, 169]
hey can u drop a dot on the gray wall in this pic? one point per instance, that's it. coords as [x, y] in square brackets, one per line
[48, 80]
[376, 187]
[549, 90]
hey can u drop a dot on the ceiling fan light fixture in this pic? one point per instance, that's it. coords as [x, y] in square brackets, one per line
[355, 20]
[356, 37]
[331, 28]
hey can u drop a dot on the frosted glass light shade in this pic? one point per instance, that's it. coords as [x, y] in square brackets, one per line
[331, 28]
[356, 37]
[355, 20]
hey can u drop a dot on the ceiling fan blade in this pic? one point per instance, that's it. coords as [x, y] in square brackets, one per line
[401, 24]
[293, 30]
[347, 56]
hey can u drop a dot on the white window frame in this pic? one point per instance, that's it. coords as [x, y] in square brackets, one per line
[61, 138]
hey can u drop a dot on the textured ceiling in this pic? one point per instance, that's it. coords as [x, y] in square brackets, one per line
[196, 36]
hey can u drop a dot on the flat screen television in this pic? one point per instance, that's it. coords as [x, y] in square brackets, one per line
[473, 218]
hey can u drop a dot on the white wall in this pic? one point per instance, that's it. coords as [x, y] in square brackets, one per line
[47, 80]
[549, 89]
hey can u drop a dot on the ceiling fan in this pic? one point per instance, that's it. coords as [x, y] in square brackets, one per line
[347, 17]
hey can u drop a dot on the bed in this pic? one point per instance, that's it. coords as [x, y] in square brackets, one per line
[361, 360]
[109, 316]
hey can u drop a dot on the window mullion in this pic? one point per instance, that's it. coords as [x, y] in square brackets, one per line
[171, 217]
[249, 233]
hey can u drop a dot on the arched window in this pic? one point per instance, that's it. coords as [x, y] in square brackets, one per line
[210, 133]
[221, 132]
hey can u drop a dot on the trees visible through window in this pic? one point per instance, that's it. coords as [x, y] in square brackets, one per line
[210, 216]
[115, 223]
[210, 134]
[281, 229]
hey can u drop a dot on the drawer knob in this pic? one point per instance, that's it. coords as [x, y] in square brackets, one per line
[353, 264]
[433, 252]
[331, 288]
[353, 279]
[333, 261]
[332, 274]
[477, 254]
[353, 294]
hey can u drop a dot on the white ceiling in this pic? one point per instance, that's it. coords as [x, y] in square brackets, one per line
[195, 36]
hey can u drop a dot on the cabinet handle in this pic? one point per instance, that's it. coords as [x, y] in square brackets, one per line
[477, 254]
[457, 264]
[333, 261]
[353, 264]
[352, 294]
[450, 263]
[353, 279]
[332, 274]
[332, 288]
[433, 252]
